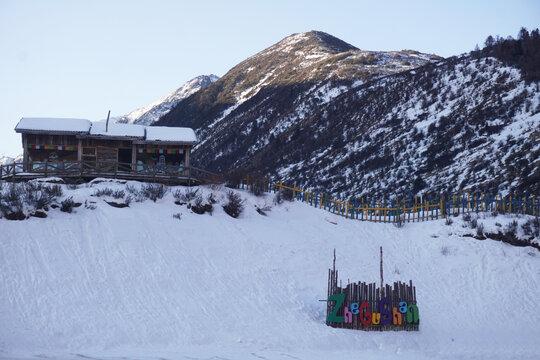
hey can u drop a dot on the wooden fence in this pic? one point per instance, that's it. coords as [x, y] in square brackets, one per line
[404, 209]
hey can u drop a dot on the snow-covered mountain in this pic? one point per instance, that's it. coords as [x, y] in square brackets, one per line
[151, 113]
[95, 284]
[8, 160]
[317, 111]
[306, 58]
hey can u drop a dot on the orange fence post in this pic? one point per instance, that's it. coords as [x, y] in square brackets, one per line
[320, 206]
[510, 204]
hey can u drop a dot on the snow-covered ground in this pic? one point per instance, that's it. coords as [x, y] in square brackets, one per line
[136, 283]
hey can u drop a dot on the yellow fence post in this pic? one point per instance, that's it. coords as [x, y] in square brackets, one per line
[524, 205]
[510, 204]
[307, 197]
[468, 202]
[294, 192]
[320, 206]
[280, 185]
[442, 209]
[347, 213]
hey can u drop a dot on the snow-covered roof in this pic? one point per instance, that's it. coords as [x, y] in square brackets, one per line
[86, 127]
[170, 134]
[54, 125]
[117, 130]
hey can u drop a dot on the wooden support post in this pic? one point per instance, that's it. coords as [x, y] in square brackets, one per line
[294, 192]
[280, 186]
[307, 197]
[320, 206]
[468, 202]
[524, 205]
[442, 208]
[510, 204]
[347, 210]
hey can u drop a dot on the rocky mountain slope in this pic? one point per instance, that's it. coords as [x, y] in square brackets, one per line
[355, 123]
[151, 113]
[305, 58]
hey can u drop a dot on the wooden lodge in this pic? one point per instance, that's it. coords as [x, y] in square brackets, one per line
[79, 147]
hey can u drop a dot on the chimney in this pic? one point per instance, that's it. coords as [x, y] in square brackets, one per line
[107, 123]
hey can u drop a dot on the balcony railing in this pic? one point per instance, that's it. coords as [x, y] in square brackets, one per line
[110, 169]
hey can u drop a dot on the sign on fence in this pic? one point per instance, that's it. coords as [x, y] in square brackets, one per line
[368, 307]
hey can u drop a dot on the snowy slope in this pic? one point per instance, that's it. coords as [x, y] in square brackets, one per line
[98, 284]
[149, 114]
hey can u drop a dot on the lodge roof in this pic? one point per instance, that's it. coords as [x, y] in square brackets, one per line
[86, 128]
[54, 125]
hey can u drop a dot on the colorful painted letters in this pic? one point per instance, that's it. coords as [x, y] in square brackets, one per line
[404, 314]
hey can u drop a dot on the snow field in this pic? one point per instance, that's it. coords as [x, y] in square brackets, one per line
[137, 283]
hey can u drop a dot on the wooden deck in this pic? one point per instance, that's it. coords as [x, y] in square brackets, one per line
[73, 171]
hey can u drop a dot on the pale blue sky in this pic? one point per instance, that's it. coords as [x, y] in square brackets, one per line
[82, 58]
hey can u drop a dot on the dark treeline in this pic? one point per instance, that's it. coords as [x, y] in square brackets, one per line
[523, 52]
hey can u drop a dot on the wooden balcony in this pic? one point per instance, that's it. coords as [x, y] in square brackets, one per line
[86, 170]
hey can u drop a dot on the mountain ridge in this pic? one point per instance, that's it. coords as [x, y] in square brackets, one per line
[149, 114]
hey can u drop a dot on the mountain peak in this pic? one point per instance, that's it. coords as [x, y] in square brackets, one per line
[319, 38]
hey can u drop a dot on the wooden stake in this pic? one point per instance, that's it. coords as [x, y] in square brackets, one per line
[381, 268]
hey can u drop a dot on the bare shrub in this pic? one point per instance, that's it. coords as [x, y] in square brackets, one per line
[511, 229]
[466, 217]
[177, 216]
[480, 230]
[153, 191]
[234, 205]
[211, 198]
[448, 220]
[278, 199]
[531, 227]
[11, 202]
[54, 190]
[118, 194]
[103, 192]
[67, 205]
[200, 207]
[183, 197]
[89, 205]
[131, 189]
[474, 223]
